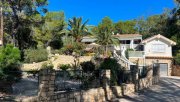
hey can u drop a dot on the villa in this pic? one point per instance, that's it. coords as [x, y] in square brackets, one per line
[153, 51]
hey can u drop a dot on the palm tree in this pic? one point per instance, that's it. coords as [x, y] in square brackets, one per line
[105, 37]
[77, 29]
[104, 34]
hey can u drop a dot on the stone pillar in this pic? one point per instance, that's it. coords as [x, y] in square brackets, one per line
[46, 84]
[135, 77]
[106, 75]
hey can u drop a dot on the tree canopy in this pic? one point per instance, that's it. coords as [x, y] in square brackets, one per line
[20, 16]
[77, 29]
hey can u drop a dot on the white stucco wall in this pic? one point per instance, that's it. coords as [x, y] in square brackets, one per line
[149, 52]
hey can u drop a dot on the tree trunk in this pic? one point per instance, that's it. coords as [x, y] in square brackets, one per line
[1, 35]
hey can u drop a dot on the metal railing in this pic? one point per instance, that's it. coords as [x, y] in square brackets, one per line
[72, 80]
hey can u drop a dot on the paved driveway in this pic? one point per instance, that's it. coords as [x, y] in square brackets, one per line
[168, 90]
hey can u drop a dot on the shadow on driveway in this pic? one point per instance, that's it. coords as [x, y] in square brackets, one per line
[168, 90]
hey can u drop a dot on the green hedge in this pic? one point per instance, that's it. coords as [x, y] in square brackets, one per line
[10, 64]
[35, 55]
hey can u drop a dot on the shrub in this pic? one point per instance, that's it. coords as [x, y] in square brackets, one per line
[35, 55]
[12, 73]
[9, 55]
[56, 52]
[88, 66]
[47, 65]
[177, 58]
[56, 44]
[64, 66]
[114, 66]
[33, 71]
[77, 47]
[10, 64]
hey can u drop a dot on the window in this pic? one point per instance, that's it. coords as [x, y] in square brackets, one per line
[158, 48]
[137, 41]
[125, 41]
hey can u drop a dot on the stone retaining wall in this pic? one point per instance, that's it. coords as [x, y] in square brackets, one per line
[101, 94]
[149, 80]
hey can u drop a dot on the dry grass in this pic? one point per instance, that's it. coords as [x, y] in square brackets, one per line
[56, 60]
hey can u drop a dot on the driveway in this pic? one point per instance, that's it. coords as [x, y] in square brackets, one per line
[168, 90]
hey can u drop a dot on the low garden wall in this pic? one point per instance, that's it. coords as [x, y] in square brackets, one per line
[149, 80]
[101, 94]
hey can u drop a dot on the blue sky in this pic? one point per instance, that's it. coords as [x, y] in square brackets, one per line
[95, 10]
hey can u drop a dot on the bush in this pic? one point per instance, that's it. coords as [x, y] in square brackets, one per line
[10, 64]
[68, 49]
[47, 65]
[35, 55]
[114, 66]
[64, 66]
[56, 44]
[88, 66]
[177, 59]
[56, 52]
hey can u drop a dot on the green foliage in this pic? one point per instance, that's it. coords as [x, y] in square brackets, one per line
[9, 64]
[19, 17]
[47, 65]
[51, 30]
[110, 63]
[35, 55]
[9, 55]
[177, 58]
[104, 33]
[125, 27]
[33, 71]
[88, 66]
[56, 44]
[64, 67]
[77, 47]
[114, 66]
[77, 28]
[11, 73]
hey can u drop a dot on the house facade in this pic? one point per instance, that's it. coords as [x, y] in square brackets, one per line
[157, 51]
[153, 51]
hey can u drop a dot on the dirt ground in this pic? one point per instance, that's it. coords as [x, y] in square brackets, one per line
[56, 60]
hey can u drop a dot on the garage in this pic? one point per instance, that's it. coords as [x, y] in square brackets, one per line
[163, 69]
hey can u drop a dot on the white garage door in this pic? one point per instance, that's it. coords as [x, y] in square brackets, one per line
[163, 69]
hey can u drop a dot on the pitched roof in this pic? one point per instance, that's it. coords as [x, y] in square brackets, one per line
[158, 36]
[128, 35]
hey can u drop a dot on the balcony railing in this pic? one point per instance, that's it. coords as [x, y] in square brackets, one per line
[136, 53]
